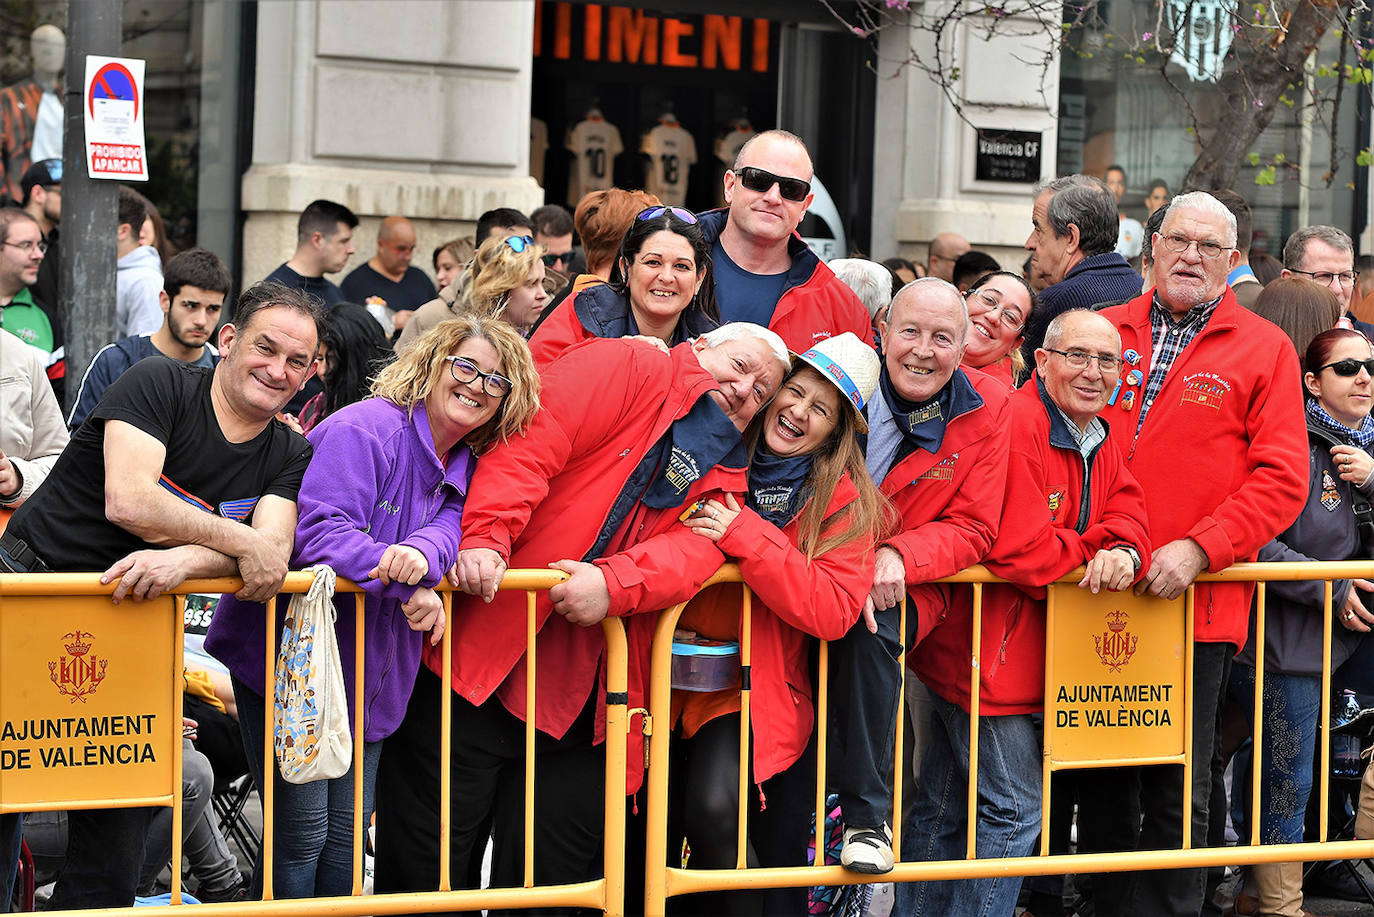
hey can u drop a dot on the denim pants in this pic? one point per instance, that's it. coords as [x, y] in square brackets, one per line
[312, 850]
[1009, 777]
[1292, 705]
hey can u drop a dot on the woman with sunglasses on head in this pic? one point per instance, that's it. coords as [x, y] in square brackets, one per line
[381, 504]
[999, 305]
[1334, 525]
[505, 279]
[660, 287]
[804, 542]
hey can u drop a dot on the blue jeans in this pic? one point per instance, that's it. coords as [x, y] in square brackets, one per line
[1292, 706]
[1009, 776]
[313, 837]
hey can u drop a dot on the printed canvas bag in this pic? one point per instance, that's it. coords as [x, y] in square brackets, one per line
[310, 710]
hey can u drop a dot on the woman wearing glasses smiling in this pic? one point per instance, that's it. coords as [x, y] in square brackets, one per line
[660, 288]
[381, 503]
[1333, 525]
[999, 305]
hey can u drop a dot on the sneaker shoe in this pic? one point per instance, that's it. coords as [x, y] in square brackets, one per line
[867, 850]
[239, 891]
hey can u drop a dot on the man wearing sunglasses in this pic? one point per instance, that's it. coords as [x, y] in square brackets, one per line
[1211, 409]
[764, 273]
[1325, 255]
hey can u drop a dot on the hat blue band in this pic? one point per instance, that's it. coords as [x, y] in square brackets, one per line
[837, 375]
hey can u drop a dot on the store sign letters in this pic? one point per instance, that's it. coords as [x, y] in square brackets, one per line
[618, 34]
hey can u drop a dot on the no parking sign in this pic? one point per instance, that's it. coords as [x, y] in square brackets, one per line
[113, 109]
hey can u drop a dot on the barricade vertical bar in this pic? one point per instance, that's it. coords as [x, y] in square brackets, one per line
[1325, 721]
[268, 763]
[178, 711]
[742, 810]
[898, 751]
[660, 716]
[1051, 710]
[1257, 742]
[974, 696]
[530, 666]
[617, 723]
[1189, 597]
[446, 748]
[822, 730]
[359, 727]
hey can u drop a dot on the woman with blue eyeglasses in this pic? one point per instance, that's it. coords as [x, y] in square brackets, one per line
[380, 503]
[505, 279]
[660, 288]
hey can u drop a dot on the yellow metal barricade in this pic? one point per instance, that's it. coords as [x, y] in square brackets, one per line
[1174, 653]
[118, 670]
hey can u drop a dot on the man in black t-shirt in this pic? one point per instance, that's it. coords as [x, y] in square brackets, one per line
[182, 471]
[388, 279]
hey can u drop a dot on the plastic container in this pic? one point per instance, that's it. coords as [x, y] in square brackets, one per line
[704, 665]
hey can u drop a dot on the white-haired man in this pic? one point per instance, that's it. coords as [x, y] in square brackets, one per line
[627, 436]
[937, 448]
[1213, 411]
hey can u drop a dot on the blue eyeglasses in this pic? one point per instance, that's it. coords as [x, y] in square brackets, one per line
[654, 213]
[519, 243]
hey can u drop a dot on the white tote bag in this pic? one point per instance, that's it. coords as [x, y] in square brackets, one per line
[310, 709]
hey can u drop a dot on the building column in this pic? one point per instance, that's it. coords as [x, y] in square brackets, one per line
[925, 161]
[389, 107]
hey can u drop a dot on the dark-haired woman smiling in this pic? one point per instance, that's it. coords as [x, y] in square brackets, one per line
[660, 287]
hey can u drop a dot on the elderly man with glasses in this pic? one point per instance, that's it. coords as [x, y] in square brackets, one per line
[763, 272]
[1325, 255]
[1211, 409]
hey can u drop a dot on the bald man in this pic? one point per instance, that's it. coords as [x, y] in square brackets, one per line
[945, 249]
[388, 278]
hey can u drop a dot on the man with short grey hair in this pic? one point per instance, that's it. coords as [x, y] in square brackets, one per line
[1325, 255]
[1211, 401]
[873, 283]
[1074, 263]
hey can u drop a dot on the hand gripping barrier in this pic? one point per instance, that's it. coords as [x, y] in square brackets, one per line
[665, 881]
[79, 630]
[39, 611]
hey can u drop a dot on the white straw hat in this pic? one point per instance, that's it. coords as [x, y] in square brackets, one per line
[851, 365]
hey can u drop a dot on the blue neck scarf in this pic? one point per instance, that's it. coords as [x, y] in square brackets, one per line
[777, 485]
[921, 425]
[698, 441]
[1361, 437]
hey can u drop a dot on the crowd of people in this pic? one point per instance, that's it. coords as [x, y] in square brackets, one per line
[676, 391]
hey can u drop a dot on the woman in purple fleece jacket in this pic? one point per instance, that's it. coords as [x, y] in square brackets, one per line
[380, 503]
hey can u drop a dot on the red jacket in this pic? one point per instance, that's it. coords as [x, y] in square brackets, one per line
[1222, 455]
[1047, 530]
[794, 601]
[950, 502]
[598, 311]
[815, 304]
[545, 496]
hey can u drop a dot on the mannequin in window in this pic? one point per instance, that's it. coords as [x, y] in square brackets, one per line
[31, 110]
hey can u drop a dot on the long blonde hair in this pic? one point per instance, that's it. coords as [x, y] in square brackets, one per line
[495, 270]
[413, 376]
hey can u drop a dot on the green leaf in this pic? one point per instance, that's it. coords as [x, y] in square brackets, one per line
[1364, 158]
[1265, 176]
[1254, 159]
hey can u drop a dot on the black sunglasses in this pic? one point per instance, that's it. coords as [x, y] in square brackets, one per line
[760, 180]
[1350, 366]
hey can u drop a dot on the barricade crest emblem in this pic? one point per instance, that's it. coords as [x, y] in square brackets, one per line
[78, 672]
[1116, 645]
